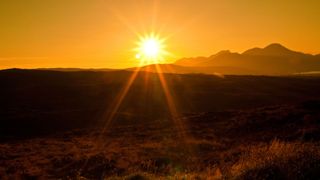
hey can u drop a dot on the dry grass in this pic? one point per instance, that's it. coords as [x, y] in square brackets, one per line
[278, 160]
[278, 142]
[77, 159]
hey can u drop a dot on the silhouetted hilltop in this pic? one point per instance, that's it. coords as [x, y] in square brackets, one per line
[177, 69]
[274, 49]
[273, 59]
[191, 61]
[75, 69]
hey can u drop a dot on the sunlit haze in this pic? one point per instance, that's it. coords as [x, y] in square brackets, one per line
[102, 33]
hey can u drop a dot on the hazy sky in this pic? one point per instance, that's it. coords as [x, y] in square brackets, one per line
[102, 33]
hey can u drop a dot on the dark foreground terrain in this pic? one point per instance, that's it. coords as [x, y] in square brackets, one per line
[57, 125]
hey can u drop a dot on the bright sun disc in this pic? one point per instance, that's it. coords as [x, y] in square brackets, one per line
[151, 49]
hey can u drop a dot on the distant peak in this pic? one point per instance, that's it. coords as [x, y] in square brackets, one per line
[221, 53]
[252, 51]
[274, 49]
[275, 46]
[224, 52]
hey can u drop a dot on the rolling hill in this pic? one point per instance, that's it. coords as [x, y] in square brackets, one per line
[179, 69]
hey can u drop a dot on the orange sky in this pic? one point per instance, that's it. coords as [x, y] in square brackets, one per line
[102, 33]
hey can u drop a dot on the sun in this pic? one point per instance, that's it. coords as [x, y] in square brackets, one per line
[150, 49]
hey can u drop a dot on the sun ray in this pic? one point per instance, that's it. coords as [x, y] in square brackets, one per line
[109, 115]
[151, 49]
[176, 117]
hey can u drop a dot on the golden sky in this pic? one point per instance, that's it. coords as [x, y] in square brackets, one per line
[102, 33]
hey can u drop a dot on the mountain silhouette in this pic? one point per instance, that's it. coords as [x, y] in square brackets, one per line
[273, 59]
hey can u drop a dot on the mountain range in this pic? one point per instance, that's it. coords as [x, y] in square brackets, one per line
[273, 59]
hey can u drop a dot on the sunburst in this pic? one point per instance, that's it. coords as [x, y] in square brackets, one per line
[151, 49]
